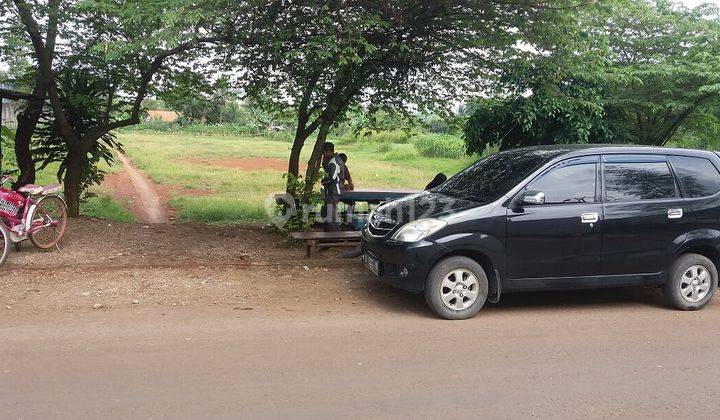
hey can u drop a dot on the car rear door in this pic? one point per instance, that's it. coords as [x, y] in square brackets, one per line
[643, 211]
[699, 182]
[561, 237]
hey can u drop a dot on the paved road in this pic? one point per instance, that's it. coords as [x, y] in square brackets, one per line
[595, 354]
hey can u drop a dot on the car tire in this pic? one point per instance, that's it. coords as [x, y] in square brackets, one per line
[692, 282]
[456, 288]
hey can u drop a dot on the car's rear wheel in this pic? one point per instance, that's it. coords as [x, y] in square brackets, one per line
[456, 288]
[692, 282]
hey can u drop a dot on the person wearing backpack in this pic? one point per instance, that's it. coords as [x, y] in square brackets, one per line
[332, 186]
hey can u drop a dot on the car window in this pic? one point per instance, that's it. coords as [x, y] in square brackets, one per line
[638, 181]
[495, 175]
[568, 184]
[697, 176]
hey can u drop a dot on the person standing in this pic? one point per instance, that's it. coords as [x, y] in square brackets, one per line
[332, 186]
[348, 186]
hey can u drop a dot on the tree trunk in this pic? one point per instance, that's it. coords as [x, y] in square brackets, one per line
[27, 122]
[294, 162]
[72, 181]
[313, 169]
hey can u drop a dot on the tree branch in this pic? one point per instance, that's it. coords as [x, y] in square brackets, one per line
[14, 95]
[45, 62]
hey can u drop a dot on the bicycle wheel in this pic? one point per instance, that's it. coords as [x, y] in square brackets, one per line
[4, 243]
[50, 213]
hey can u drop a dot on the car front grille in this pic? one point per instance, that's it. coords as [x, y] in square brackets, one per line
[380, 225]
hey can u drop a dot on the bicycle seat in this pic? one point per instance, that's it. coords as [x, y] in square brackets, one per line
[33, 189]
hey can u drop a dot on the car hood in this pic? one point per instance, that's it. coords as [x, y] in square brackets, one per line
[423, 205]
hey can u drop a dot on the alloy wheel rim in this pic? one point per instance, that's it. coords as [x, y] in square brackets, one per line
[695, 283]
[459, 289]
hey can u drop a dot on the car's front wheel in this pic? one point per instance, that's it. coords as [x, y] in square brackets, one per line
[456, 288]
[692, 282]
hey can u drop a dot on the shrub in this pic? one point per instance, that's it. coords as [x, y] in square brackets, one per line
[284, 136]
[347, 138]
[395, 136]
[399, 155]
[208, 129]
[385, 147]
[440, 145]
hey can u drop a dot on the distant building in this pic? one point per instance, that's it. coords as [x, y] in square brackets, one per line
[9, 110]
[157, 115]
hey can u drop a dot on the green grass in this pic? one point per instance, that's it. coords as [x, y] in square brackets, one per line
[240, 196]
[105, 207]
[99, 205]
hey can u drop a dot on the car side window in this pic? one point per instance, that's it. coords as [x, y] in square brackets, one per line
[631, 181]
[568, 184]
[698, 177]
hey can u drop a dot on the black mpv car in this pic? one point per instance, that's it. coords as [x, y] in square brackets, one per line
[563, 217]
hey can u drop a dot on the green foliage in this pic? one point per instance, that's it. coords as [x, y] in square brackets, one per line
[675, 70]
[388, 137]
[199, 100]
[217, 210]
[385, 147]
[84, 104]
[7, 137]
[625, 72]
[400, 155]
[103, 206]
[440, 146]
[323, 58]
[227, 129]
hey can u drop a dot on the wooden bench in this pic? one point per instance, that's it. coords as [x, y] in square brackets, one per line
[326, 239]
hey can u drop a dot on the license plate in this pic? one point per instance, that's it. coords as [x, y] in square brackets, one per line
[372, 264]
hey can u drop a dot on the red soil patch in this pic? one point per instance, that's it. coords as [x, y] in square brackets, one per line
[121, 187]
[244, 164]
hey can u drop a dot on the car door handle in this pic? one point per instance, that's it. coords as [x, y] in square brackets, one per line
[675, 213]
[589, 217]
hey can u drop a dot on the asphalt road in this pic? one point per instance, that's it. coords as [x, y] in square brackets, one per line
[591, 354]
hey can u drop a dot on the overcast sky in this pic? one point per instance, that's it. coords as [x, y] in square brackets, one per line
[693, 3]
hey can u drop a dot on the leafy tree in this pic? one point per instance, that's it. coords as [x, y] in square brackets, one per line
[322, 58]
[198, 99]
[674, 54]
[126, 45]
[83, 101]
[15, 50]
[627, 72]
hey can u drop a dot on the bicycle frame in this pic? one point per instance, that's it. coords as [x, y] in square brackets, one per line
[21, 227]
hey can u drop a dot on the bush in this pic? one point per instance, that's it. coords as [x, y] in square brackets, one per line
[399, 155]
[385, 147]
[284, 136]
[440, 145]
[347, 138]
[395, 136]
[215, 129]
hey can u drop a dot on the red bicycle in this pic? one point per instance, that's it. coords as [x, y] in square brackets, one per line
[32, 212]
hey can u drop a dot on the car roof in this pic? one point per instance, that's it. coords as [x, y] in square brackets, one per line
[569, 150]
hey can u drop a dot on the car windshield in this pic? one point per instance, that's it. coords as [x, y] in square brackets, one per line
[496, 174]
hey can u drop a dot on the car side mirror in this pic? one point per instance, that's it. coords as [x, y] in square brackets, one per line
[533, 197]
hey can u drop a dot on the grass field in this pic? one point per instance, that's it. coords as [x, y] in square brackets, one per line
[98, 204]
[240, 195]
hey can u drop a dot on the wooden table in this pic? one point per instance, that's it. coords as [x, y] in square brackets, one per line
[361, 195]
[318, 239]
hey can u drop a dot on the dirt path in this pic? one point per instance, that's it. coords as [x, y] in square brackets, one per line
[146, 203]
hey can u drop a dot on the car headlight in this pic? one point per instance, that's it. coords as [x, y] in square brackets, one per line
[418, 230]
